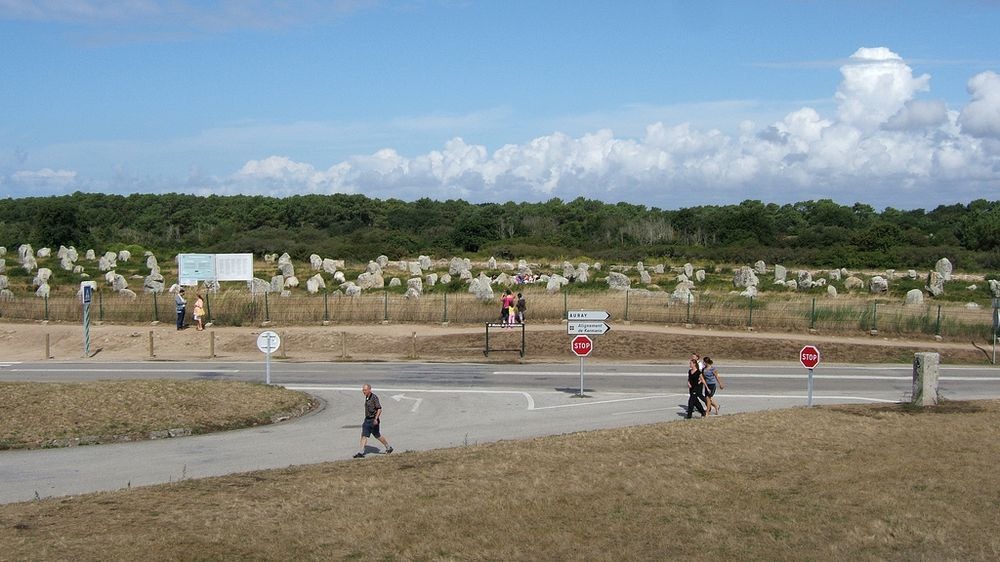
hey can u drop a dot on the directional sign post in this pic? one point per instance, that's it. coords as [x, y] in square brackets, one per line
[576, 327]
[581, 346]
[587, 315]
[268, 342]
[809, 357]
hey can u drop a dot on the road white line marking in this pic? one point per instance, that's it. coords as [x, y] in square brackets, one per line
[125, 370]
[804, 397]
[416, 401]
[531, 401]
[596, 402]
[726, 375]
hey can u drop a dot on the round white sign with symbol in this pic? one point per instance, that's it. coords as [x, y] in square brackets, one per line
[268, 342]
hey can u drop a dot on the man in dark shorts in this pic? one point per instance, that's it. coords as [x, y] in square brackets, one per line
[373, 411]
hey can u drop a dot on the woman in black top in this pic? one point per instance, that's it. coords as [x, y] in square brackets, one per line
[696, 384]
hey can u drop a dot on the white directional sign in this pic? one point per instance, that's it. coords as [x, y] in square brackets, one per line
[587, 328]
[268, 342]
[587, 315]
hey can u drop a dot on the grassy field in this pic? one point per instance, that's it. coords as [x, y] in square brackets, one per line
[60, 414]
[830, 483]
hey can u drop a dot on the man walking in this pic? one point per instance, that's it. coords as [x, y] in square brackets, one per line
[373, 411]
[181, 305]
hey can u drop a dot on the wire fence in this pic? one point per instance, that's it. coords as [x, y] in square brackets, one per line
[239, 308]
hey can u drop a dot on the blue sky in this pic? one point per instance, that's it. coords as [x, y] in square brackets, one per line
[669, 104]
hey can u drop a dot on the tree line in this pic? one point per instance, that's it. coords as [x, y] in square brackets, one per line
[356, 227]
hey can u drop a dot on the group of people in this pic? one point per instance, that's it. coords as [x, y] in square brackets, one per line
[511, 308]
[181, 306]
[703, 382]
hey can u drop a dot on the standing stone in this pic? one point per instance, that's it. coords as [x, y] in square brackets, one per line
[416, 284]
[277, 283]
[382, 261]
[645, 278]
[805, 279]
[914, 296]
[750, 291]
[425, 262]
[350, 289]
[457, 266]
[853, 282]
[878, 285]
[503, 280]
[682, 292]
[821, 282]
[411, 294]
[315, 283]
[413, 268]
[760, 267]
[395, 282]
[480, 287]
[780, 273]
[689, 270]
[994, 286]
[943, 267]
[699, 275]
[432, 279]
[315, 262]
[911, 273]
[3, 265]
[658, 269]
[582, 275]
[491, 264]
[124, 255]
[792, 284]
[745, 277]
[286, 269]
[328, 266]
[618, 281]
[682, 278]
[831, 292]
[368, 280]
[44, 253]
[119, 283]
[90, 255]
[3, 251]
[258, 286]
[153, 283]
[834, 275]
[465, 275]
[555, 283]
[4, 282]
[890, 274]
[935, 283]
[339, 277]
[25, 250]
[29, 264]
[445, 278]
[291, 282]
[43, 290]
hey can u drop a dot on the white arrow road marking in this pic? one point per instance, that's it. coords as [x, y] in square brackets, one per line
[416, 401]
[531, 401]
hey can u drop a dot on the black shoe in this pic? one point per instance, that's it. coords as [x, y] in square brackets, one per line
[359, 455]
[388, 451]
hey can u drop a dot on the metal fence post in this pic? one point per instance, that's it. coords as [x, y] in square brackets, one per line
[100, 306]
[565, 304]
[326, 306]
[750, 321]
[446, 307]
[385, 305]
[156, 317]
[812, 316]
[937, 326]
[689, 309]
[875, 316]
[208, 309]
[267, 309]
[626, 304]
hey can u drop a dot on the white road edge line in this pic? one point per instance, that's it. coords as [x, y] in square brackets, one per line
[124, 370]
[741, 376]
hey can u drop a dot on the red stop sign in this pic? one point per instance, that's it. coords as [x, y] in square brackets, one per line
[809, 356]
[582, 346]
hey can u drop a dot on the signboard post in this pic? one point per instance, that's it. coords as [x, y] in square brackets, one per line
[581, 346]
[86, 297]
[996, 327]
[268, 342]
[809, 357]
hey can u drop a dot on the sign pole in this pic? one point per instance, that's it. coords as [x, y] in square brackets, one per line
[86, 330]
[581, 376]
[267, 366]
[810, 403]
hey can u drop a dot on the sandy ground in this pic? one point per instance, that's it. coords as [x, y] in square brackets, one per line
[459, 343]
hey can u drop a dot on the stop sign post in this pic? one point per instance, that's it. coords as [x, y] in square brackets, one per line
[809, 357]
[581, 346]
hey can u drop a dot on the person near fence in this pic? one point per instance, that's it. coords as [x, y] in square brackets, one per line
[181, 305]
[199, 312]
[712, 382]
[696, 387]
[521, 307]
[372, 423]
[505, 303]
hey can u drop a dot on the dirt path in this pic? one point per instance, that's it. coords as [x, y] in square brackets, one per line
[435, 342]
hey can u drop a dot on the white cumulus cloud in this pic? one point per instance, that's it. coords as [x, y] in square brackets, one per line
[981, 117]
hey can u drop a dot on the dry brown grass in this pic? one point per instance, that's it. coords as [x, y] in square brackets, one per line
[61, 414]
[829, 483]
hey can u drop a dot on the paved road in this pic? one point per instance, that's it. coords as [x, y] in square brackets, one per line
[427, 405]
